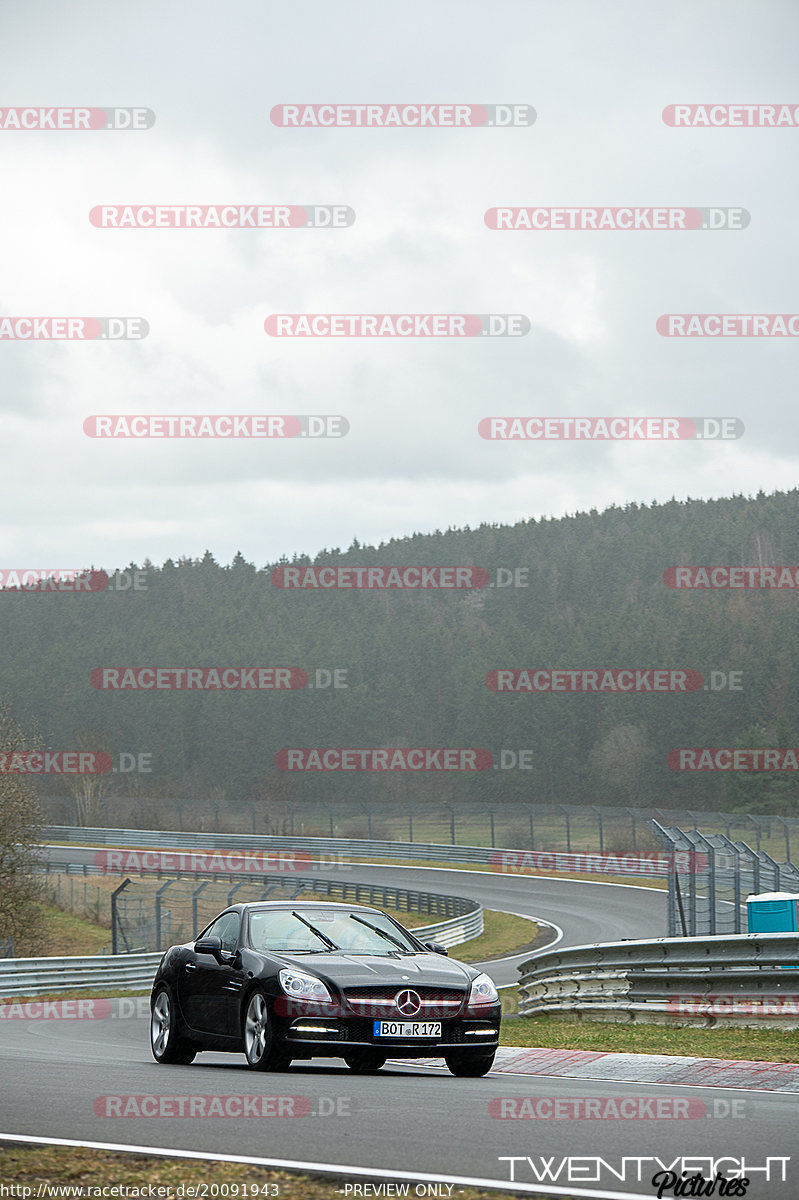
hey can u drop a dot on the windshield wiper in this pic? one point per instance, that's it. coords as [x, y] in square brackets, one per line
[382, 933]
[322, 936]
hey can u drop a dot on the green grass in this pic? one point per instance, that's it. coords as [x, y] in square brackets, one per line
[761, 1045]
[503, 933]
[65, 933]
[34, 1165]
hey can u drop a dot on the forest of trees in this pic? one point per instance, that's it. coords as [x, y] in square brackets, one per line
[416, 664]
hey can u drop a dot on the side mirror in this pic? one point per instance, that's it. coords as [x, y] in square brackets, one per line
[436, 947]
[209, 945]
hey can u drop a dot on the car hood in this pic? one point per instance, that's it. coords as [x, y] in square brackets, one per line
[360, 970]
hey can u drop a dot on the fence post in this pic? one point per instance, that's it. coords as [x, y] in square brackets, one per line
[633, 823]
[565, 810]
[114, 918]
[711, 874]
[158, 896]
[532, 828]
[786, 830]
[598, 812]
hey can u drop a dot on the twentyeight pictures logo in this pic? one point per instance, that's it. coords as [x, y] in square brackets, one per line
[598, 218]
[76, 118]
[398, 116]
[610, 429]
[72, 329]
[222, 216]
[404, 325]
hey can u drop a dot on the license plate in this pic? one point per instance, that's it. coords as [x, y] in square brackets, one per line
[407, 1029]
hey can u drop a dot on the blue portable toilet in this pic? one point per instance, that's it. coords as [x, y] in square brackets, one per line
[773, 912]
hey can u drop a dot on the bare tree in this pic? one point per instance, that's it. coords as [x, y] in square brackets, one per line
[622, 762]
[88, 790]
[21, 822]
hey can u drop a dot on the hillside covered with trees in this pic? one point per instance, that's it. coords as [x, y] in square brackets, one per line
[415, 664]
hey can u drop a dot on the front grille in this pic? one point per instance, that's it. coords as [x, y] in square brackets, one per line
[436, 1003]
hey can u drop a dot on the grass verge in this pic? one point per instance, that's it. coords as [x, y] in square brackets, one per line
[760, 1045]
[40, 1166]
[503, 934]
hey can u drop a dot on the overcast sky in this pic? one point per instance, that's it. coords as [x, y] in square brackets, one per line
[598, 74]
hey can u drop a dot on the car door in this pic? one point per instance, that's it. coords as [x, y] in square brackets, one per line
[209, 989]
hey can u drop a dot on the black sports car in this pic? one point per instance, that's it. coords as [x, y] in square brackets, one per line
[285, 980]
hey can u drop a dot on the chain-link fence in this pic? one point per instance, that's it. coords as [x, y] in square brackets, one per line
[154, 914]
[711, 898]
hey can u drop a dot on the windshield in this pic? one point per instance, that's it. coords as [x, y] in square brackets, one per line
[307, 931]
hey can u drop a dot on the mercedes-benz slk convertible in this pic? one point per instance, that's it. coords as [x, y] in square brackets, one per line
[284, 980]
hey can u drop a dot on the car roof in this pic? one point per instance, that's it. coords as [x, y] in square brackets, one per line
[272, 905]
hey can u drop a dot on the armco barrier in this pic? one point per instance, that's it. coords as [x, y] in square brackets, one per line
[744, 979]
[504, 860]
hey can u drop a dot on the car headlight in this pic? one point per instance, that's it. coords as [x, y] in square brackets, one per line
[300, 986]
[483, 993]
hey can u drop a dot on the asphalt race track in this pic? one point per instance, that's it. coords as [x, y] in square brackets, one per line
[62, 1079]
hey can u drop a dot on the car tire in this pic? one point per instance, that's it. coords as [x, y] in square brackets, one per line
[166, 1042]
[259, 1041]
[364, 1061]
[469, 1066]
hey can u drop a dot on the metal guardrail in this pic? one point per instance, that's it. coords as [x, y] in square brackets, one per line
[742, 979]
[40, 976]
[505, 860]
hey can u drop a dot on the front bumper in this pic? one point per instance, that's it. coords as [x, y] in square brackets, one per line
[307, 1037]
